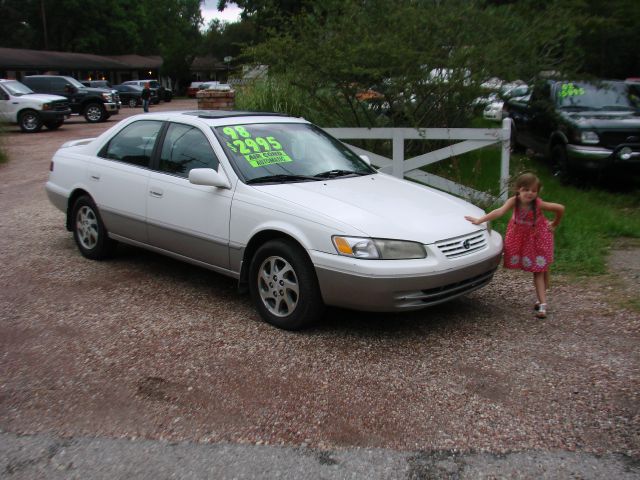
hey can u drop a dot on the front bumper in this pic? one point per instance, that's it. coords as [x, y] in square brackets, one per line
[54, 115]
[112, 107]
[399, 285]
[597, 158]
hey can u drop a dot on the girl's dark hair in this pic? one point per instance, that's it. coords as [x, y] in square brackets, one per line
[526, 179]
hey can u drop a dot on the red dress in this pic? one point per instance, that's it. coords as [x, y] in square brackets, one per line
[528, 243]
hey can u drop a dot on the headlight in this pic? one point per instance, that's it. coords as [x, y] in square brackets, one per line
[46, 106]
[377, 248]
[589, 137]
[107, 97]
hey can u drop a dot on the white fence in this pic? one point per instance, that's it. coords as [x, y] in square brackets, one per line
[472, 139]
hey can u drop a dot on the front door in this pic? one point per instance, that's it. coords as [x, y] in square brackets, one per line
[8, 106]
[183, 218]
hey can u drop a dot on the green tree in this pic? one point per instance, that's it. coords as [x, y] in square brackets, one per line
[426, 58]
[229, 39]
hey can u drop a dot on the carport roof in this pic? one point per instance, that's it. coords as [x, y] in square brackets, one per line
[22, 59]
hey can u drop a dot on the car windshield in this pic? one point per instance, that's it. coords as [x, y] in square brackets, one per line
[596, 96]
[74, 82]
[282, 152]
[16, 88]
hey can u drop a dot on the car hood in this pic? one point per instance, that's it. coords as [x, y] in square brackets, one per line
[96, 90]
[380, 206]
[44, 97]
[603, 119]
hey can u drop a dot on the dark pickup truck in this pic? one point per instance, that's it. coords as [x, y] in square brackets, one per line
[580, 126]
[96, 104]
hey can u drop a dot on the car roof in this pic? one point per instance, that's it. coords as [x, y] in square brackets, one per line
[232, 113]
[221, 117]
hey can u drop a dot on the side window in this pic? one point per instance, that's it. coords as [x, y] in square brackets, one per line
[133, 144]
[36, 84]
[3, 95]
[186, 147]
[58, 84]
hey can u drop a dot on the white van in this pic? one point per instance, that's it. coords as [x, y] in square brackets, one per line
[18, 104]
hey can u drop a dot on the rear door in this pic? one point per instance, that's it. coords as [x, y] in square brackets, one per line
[119, 179]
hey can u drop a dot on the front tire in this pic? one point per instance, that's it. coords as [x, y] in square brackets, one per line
[94, 113]
[284, 286]
[30, 121]
[89, 231]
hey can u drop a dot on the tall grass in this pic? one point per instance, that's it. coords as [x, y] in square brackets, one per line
[270, 95]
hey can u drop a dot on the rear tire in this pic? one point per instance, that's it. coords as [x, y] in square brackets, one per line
[89, 231]
[284, 286]
[133, 103]
[30, 121]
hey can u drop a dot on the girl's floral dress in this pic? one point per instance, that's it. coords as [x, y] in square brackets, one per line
[528, 243]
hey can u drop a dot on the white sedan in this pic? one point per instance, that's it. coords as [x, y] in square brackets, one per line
[273, 201]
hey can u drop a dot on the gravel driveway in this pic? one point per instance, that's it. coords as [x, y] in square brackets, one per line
[144, 347]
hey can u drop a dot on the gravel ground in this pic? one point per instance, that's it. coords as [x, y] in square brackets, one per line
[144, 347]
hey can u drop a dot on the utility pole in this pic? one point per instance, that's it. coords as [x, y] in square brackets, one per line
[44, 25]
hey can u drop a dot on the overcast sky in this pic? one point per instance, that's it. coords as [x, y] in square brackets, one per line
[209, 12]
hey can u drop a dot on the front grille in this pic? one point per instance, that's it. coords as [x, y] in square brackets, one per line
[463, 245]
[60, 105]
[613, 139]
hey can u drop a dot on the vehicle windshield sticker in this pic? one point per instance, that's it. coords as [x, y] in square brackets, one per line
[570, 90]
[258, 151]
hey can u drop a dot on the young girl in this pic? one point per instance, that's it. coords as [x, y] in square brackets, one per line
[528, 243]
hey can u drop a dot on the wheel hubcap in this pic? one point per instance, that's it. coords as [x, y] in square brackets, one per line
[278, 286]
[30, 122]
[87, 227]
[94, 113]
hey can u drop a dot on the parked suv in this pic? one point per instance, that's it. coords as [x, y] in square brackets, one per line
[163, 93]
[580, 126]
[96, 104]
[18, 104]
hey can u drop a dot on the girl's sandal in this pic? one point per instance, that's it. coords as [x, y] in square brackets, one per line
[536, 307]
[542, 311]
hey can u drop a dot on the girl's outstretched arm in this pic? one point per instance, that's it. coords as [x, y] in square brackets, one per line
[557, 209]
[492, 215]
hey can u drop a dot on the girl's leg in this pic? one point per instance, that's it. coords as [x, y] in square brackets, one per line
[547, 280]
[540, 284]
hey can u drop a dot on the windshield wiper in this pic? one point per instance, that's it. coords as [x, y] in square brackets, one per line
[283, 178]
[616, 107]
[338, 173]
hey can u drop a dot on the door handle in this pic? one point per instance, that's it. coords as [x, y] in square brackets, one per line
[94, 176]
[156, 193]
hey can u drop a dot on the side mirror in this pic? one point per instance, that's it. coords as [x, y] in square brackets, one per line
[366, 159]
[209, 177]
